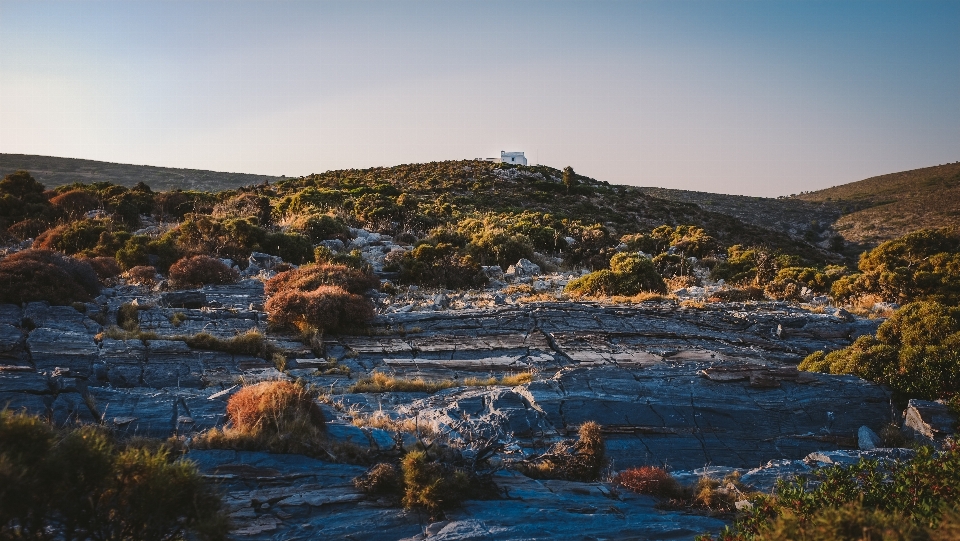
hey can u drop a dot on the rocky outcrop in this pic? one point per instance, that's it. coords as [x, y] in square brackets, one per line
[929, 422]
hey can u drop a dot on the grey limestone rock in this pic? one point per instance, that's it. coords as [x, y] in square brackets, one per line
[929, 422]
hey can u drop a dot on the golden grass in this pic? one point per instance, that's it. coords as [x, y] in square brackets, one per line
[379, 382]
[380, 419]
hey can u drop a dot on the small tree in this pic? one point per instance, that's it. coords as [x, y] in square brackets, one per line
[569, 177]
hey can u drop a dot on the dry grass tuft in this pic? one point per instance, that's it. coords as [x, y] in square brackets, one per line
[378, 382]
[277, 416]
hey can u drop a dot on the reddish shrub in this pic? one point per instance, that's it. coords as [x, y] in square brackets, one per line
[44, 275]
[105, 267]
[199, 270]
[648, 480]
[142, 274]
[28, 229]
[310, 277]
[75, 203]
[326, 308]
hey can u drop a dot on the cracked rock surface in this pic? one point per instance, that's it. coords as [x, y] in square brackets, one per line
[681, 387]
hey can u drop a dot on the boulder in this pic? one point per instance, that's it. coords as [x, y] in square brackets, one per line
[867, 439]
[524, 269]
[929, 422]
[264, 261]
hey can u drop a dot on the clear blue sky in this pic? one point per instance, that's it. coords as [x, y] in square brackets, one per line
[759, 97]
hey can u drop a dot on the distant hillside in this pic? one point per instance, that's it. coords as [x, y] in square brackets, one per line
[53, 172]
[888, 206]
[810, 220]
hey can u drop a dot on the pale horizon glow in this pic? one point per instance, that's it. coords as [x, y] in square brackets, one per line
[740, 97]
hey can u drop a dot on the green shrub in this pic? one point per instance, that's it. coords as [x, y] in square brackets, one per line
[629, 275]
[291, 247]
[440, 265]
[901, 498]
[43, 275]
[21, 198]
[499, 248]
[924, 265]
[200, 270]
[432, 485]
[916, 352]
[245, 205]
[79, 484]
[790, 281]
[74, 237]
[320, 227]
[354, 259]
[755, 264]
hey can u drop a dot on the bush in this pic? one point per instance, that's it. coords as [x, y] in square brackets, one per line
[200, 270]
[296, 249]
[789, 282]
[440, 265]
[328, 308]
[321, 227]
[105, 267]
[75, 203]
[81, 236]
[142, 274]
[80, 485]
[432, 485]
[43, 275]
[924, 265]
[322, 254]
[381, 480]
[895, 499]
[29, 228]
[277, 416]
[21, 198]
[629, 274]
[649, 480]
[916, 352]
[310, 277]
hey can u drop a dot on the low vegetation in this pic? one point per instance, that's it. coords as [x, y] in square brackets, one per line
[916, 352]
[82, 483]
[44, 275]
[199, 270]
[917, 499]
[584, 460]
[629, 274]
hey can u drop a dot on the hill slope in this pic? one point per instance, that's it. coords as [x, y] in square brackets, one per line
[53, 172]
[888, 206]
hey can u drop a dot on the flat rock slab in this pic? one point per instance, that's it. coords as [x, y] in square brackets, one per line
[293, 497]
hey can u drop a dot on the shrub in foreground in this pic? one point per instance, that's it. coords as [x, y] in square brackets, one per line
[44, 275]
[914, 499]
[79, 484]
[199, 270]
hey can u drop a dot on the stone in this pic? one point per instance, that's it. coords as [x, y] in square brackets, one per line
[264, 261]
[493, 272]
[929, 422]
[524, 268]
[334, 245]
[867, 439]
[183, 299]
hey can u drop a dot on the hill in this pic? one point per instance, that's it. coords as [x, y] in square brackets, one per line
[881, 208]
[53, 172]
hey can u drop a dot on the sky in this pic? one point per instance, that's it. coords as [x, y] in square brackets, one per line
[762, 98]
